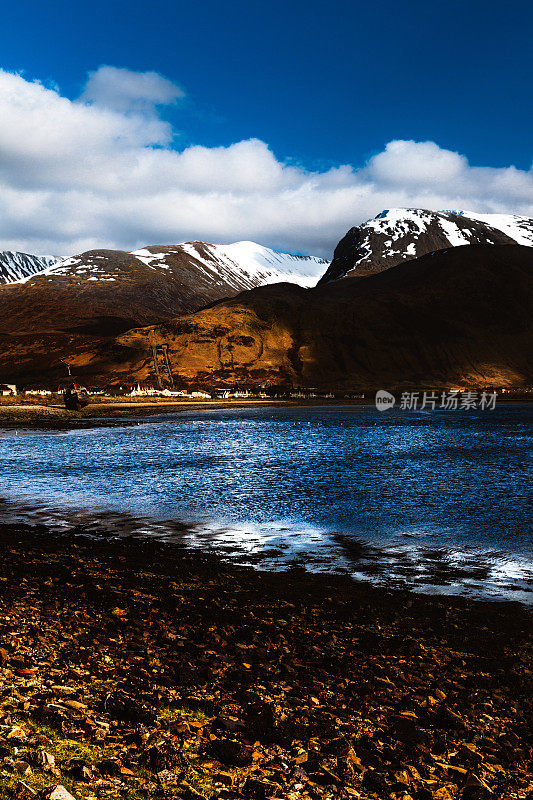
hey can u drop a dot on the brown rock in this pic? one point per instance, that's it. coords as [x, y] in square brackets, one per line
[223, 777]
[188, 793]
[260, 789]
[476, 789]
[163, 756]
[74, 705]
[110, 766]
[231, 751]
[21, 767]
[407, 730]
[45, 759]
[446, 718]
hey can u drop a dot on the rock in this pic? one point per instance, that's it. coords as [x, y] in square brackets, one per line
[467, 755]
[56, 793]
[476, 789]
[407, 730]
[231, 751]
[477, 793]
[402, 777]
[338, 747]
[442, 794]
[446, 718]
[24, 792]
[80, 770]
[225, 778]
[75, 705]
[423, 793]
[45, 760]
[120, 705]
[188, 793]
[110, 766]
[16, 733]
[256, 789]
[376, 781]
[164, 756]
[352, 722]
[21, 767]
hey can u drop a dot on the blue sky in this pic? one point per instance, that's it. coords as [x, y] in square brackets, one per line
[320, 84]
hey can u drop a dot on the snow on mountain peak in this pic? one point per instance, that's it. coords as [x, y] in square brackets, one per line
[401, 234]
[258, 265]
[19, 267]
[238, 266]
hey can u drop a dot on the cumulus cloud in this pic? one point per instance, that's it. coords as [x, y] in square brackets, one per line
[128, 91]
[410, 163]
[101, 171]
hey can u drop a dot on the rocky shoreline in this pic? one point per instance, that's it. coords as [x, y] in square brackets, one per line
[125, 411]
[54, 416]
[131, 669]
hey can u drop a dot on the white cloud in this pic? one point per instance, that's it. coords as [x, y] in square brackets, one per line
[127, 91]
[101, 172]
[410, 163]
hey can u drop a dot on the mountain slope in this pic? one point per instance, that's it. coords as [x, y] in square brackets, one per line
[459, 316]
[401, 234]
[105, 291]
[244, 264]
[16, 266]
[456, 317]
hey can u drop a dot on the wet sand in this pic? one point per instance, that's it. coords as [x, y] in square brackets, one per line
[133, 669]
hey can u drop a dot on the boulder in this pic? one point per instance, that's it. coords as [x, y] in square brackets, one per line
[56, 793]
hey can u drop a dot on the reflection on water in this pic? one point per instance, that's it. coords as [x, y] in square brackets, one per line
[437, 500]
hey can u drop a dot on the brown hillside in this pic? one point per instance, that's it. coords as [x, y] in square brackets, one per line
[458, 316]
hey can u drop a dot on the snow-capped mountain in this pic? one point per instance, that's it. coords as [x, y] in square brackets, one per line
[239, 266]
[401, 234]
[20, 266]
[107, 291]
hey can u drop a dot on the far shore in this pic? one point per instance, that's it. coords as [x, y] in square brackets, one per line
[104, 412]
[49, 413]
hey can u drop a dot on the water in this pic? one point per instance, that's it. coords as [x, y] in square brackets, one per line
[437, 501]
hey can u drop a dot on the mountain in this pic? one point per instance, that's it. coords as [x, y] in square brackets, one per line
[401, 234]
[93, 297]
[238, 266]
[20, 266]
[108, 291]
[456, 317]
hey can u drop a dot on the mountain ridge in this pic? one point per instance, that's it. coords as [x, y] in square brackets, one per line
[402, 234]
[17, 266]
[457, 317]
[144, 286]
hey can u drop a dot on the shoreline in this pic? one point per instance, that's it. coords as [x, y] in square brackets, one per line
[397, 565]
[53, 416]
[111, 414]
[144, 670]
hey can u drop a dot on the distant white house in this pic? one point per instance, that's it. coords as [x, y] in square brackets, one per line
[239, 393]
[7, 389]
[149, 391]
[145, 391]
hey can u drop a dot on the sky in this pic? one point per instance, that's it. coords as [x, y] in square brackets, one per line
[124, 124]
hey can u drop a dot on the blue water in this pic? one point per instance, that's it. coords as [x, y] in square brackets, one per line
[434, 500]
